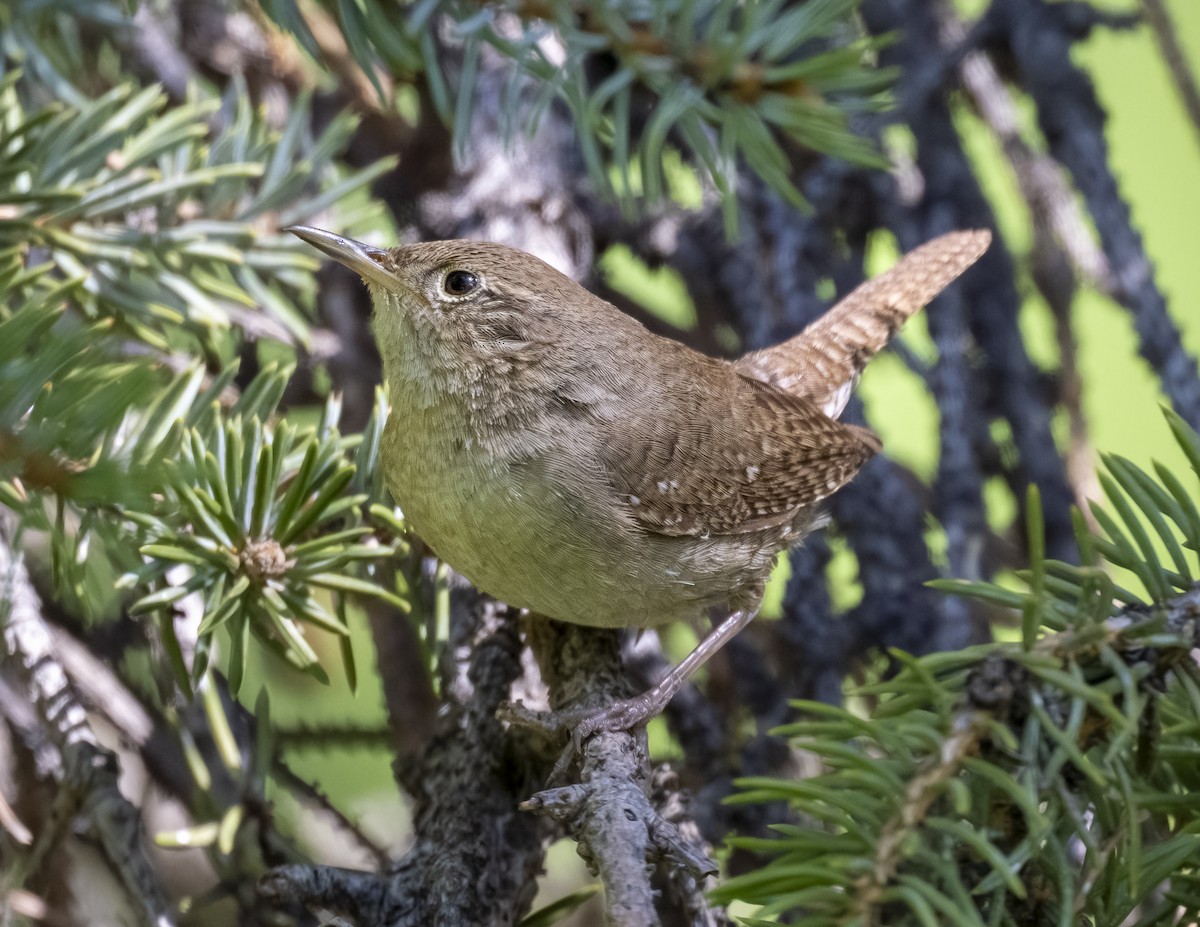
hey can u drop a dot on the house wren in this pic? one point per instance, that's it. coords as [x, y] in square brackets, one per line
[567, 460]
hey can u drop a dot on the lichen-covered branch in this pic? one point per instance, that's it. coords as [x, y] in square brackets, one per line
[620, 832]
[86, 772]
[476, 854]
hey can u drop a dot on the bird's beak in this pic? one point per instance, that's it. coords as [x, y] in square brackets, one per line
[361, 258]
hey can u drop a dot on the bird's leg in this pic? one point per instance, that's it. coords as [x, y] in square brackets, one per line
[628, 713]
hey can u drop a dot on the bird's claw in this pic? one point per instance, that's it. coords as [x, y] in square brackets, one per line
[625, 714]
[622, 715]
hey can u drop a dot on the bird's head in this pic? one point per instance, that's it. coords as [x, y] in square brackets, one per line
[464, 302]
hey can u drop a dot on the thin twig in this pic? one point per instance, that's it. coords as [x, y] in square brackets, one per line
[1184, 79]
[1043, 183]
[919, 795]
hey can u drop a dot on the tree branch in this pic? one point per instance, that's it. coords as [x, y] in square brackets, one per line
[1039, 36]
[87, 773]
[609, 812]
[1165, 34]
[476, 855]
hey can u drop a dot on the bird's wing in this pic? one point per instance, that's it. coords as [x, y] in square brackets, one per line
[742, 463]
[823, 362]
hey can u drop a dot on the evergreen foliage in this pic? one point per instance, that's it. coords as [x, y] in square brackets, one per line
[1050, 780]
[139, 216]
[261, 516]
[154, 323]
[131, 245]
[728, 81]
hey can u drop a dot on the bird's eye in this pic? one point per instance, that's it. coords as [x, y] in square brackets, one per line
[460, 283]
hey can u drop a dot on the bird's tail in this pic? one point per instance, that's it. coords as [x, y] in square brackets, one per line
[823, 362]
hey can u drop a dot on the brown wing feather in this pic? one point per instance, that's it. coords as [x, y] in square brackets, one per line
[823, 361]
[754, 467]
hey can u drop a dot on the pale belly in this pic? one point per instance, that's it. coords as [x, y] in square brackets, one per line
[533, 542]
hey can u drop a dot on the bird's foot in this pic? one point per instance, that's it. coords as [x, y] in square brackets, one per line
[626, 714]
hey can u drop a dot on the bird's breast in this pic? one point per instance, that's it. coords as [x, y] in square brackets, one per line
[528, 517]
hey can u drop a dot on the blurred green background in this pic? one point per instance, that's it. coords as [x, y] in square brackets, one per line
[1156, 154]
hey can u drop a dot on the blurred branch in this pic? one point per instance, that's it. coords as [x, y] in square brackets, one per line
[336, 55]
[331, 737]
[408, 692]
[1042, 182]
[1039, 36]
[160, 744]
[316, 802]
[476, 854]
[156, 54]
[1166, 34]
[1061, 232]
[1007, 384]
[87, 773]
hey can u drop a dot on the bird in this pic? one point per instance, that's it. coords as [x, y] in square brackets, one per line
[567, 460]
